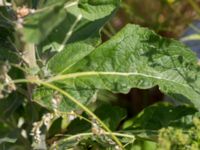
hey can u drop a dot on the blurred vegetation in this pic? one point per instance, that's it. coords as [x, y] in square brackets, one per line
[167, 17]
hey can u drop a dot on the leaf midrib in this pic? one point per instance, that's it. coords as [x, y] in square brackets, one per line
[95, 73]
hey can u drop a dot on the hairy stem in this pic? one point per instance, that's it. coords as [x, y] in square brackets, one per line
[72, 137]
[27, 51]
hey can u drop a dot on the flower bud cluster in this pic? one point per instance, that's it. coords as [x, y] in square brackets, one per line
[36, 132]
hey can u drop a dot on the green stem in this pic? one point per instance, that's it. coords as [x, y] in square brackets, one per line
[37, 81]
[111, 28]
[107, 33]
[84, 118]
[194, 6]
[106, 133]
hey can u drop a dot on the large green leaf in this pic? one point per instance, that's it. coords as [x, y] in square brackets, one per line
[135, 57]
[64, 21]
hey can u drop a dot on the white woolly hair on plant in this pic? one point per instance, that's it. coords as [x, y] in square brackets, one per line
[47, 118]
[56, 100]
[36, 132]
[96, 128]
[71, 116]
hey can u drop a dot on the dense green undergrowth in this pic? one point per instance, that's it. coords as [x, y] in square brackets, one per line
[55, 71]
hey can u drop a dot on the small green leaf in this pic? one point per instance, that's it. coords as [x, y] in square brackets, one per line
[158, 116]
[147, 123]
[37, 26]
[95, 9]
